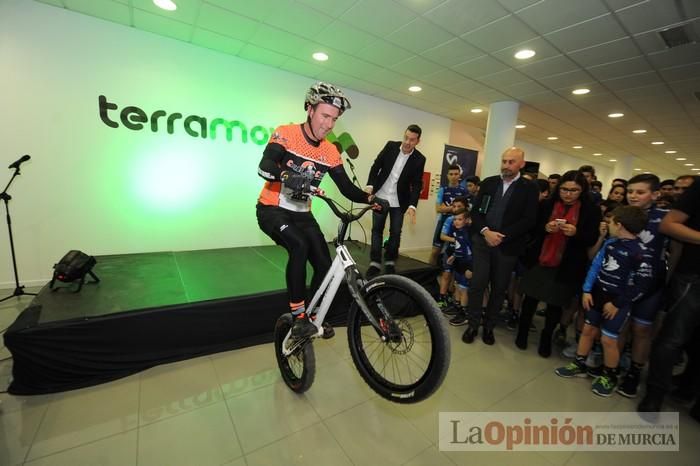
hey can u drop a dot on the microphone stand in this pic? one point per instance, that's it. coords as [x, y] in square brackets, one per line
[19, 289]
[356, 183]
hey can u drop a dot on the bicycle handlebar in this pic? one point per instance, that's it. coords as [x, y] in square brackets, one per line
[345, 217]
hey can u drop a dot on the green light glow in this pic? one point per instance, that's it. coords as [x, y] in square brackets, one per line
[168, 181]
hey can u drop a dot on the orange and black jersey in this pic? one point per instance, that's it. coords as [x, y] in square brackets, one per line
[290, 148]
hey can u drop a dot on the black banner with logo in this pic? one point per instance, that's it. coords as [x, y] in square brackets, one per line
[465, 158]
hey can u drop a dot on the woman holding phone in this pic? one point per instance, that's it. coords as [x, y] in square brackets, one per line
[567, 225]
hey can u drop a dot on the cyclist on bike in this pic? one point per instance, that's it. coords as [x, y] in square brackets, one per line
[296, 158]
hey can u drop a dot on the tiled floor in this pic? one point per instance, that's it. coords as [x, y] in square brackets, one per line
[232, 409]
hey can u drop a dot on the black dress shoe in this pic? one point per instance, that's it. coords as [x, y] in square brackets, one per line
[488, 338]
[389, 269]
[544, 351]
[372, 272]
[521, 342]
[469, 334]
[545, 347]
[522, 336]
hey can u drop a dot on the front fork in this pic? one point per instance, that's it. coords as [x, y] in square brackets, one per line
[386, 326]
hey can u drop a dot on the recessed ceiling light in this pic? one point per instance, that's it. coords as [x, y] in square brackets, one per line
[646, 173]
[524, 54]
[577, 147]
[637, 169]
[597, 154]
[320, 56]
[612, 160]
[165, 4]
[581, 91]
[552, 138]
[639, 131]
[520, 126]
[689, 164]
[680, 159]
[657, 143]
[616, 115]
[476, 110]
[695, 169]
[670, 151]
[415, 88]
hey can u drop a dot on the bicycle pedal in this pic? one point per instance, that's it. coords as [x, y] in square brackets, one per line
[328, 331]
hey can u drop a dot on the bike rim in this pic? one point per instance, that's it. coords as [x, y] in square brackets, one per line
[403, 363]
[295, 363]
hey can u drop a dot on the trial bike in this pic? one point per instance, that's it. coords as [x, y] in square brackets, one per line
[398, 341]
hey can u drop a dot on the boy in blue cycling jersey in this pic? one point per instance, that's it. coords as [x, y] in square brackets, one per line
[642, 191]
[445, 300]
[445, 197]
[458, 257]
[617, 278]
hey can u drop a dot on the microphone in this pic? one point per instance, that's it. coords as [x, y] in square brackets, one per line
[350, 163]
[19, 162]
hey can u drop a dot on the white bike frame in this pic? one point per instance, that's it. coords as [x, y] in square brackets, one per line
[326, 292]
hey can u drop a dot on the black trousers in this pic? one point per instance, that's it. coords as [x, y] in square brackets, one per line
[300, 235]
[490, 266]
[552, 319]
[681, 323]
[392, 246]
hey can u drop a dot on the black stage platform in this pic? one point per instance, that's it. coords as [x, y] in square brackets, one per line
[155, 308]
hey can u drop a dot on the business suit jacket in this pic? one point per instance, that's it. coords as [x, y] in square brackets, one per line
[520, 215]
[411, 179]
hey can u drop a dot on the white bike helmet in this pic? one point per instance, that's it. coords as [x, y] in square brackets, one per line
[326, 93]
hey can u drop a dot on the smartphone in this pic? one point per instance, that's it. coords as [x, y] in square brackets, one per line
[485, 203]
[560, 221]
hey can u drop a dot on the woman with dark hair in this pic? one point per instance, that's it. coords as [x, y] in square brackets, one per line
[617, 194]
[544, 188]
[567, 224]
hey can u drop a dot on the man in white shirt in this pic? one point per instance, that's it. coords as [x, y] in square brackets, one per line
[397, 176]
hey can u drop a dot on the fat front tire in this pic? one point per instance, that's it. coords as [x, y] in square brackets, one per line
[410, 365]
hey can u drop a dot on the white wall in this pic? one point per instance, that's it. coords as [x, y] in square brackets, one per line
[557, 162]
[106, 190]
[550, 161]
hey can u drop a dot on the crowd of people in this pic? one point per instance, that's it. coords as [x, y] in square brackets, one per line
[622, 271]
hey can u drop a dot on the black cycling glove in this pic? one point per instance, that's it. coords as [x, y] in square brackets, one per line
[294, 181]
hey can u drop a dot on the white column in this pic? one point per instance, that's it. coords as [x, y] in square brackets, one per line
[500, 135]
[623, 168]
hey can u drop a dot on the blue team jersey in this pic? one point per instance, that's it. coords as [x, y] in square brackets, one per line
[447, 226]
[447, 194]
[620, 270]
[461, 248]
[654, 242]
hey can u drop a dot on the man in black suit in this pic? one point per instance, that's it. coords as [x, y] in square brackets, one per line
[504, 212]
[397, 176]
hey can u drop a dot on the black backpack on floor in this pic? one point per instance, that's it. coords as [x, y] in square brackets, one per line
[75, 265]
